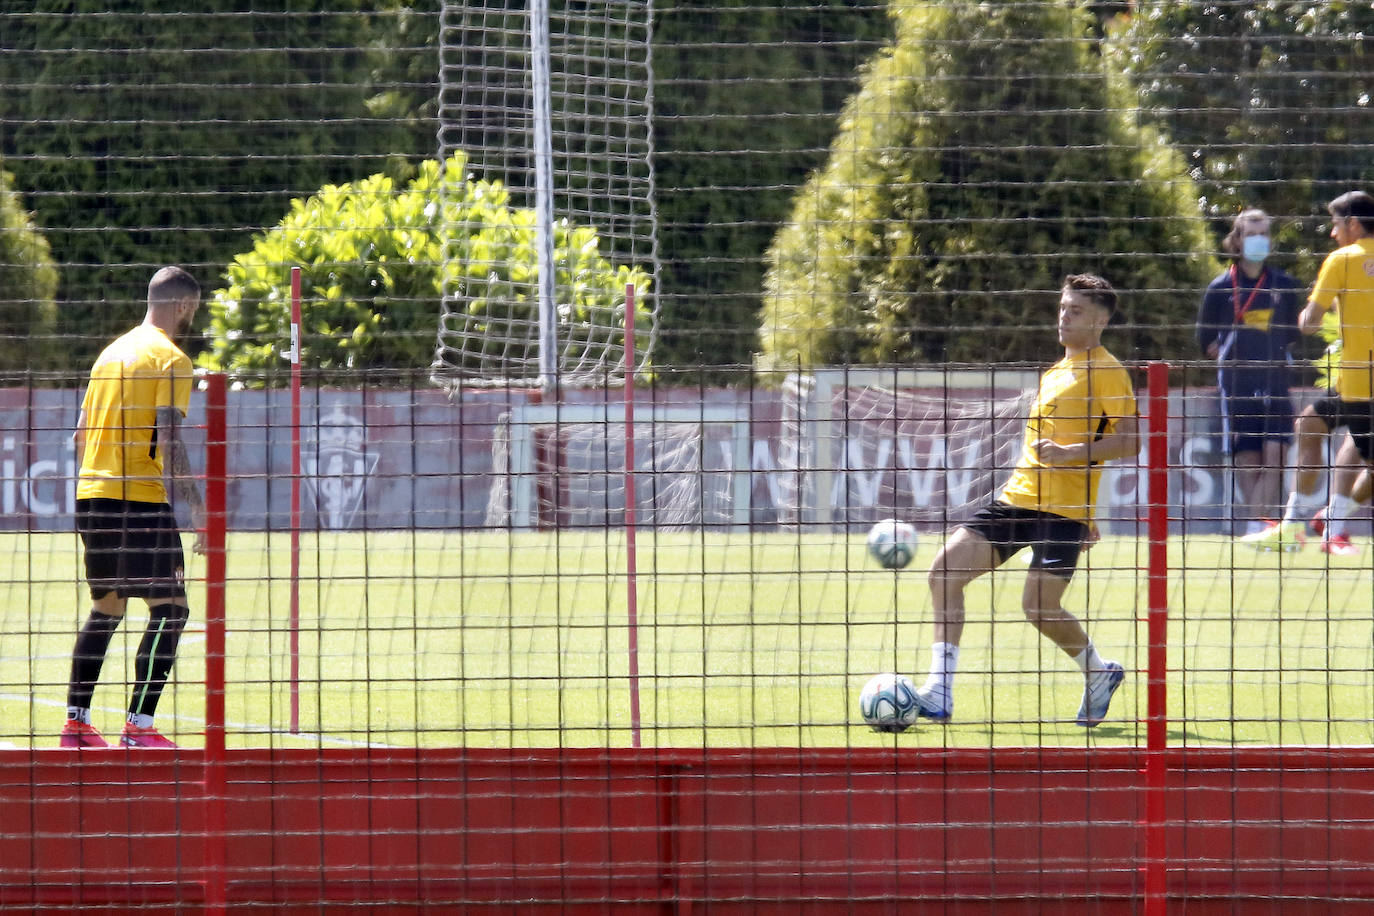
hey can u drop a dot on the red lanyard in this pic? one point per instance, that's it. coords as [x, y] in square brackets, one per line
[1239, 309]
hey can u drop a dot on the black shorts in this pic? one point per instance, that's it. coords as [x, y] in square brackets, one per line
[1248, 422]
[1356, 416]
[132, 548]
[1055, 541]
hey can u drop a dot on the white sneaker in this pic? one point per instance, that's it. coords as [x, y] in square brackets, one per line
[929, 706]
[1097, 693]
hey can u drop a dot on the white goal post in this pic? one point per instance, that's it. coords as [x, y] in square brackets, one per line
[551, 105]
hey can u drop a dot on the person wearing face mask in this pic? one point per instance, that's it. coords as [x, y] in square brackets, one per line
[1345, 285]
[1247, 322]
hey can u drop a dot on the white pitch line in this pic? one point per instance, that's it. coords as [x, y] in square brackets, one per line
[195, 720]
[116, 650]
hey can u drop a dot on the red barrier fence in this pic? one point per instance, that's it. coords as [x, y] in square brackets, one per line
[657, 831]
[1266, 829]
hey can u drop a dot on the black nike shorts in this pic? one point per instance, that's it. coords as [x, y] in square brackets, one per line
[1055, 541]
[132, 548]
[1357, 416]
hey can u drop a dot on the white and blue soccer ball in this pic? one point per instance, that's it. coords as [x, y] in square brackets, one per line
[888, 703]
[892, 543]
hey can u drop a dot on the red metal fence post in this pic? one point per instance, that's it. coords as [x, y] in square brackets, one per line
[1157, 718]
[216, 506]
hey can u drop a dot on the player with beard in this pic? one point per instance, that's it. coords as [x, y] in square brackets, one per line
[133, 461]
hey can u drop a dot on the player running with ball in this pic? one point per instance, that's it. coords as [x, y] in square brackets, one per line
[1084, 414]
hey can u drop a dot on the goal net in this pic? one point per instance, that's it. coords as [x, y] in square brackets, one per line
[550, 102]
[565, 466]
[928, 447]
[838, 448]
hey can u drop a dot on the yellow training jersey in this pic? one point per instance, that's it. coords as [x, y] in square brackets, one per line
[1081, 398]
[132, 378]
[1346, 283]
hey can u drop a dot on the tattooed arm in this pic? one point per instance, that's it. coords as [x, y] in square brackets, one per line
[176, 472]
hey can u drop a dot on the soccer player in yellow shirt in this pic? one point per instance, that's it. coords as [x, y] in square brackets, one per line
[1084, 414]
[132, 458]
[1345, 283]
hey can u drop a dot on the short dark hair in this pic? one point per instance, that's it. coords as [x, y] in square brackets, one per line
[1096, 288]
[172, 284]
[1354, 203]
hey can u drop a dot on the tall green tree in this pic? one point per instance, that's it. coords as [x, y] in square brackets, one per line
[28, 282]
[746, 102]
[986, 155]
[168, 134]
[1269, 101]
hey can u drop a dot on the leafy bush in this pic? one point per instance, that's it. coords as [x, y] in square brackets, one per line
[372, 259]
[28, 282]
[987, 154]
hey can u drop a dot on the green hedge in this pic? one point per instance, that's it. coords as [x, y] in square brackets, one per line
[746, 102]
[28, 283]
[1284, 123]
[988, 154]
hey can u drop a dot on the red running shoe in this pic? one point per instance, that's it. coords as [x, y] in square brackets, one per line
[1317, 523]
[79, 734]
[1339, 546]
[143, 737]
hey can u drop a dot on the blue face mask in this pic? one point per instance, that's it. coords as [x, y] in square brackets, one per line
[1255, 248]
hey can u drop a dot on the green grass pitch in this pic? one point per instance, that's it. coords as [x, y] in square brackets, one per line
[483, 639]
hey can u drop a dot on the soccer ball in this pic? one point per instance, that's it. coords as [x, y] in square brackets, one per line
[892, 543]
[888, 702]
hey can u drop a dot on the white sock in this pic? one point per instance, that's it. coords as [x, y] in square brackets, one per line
[77, 714]
[1300, 506]
[1338, 513]
[1088, 660]
[139, 720]
[944, 659]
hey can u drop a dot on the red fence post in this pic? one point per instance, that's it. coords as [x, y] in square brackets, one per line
[294, 631]
[1157, 717]
[631, 562]
[216, 506]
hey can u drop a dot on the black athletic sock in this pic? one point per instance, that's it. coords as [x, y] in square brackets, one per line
[92, 641]
[156, 654]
